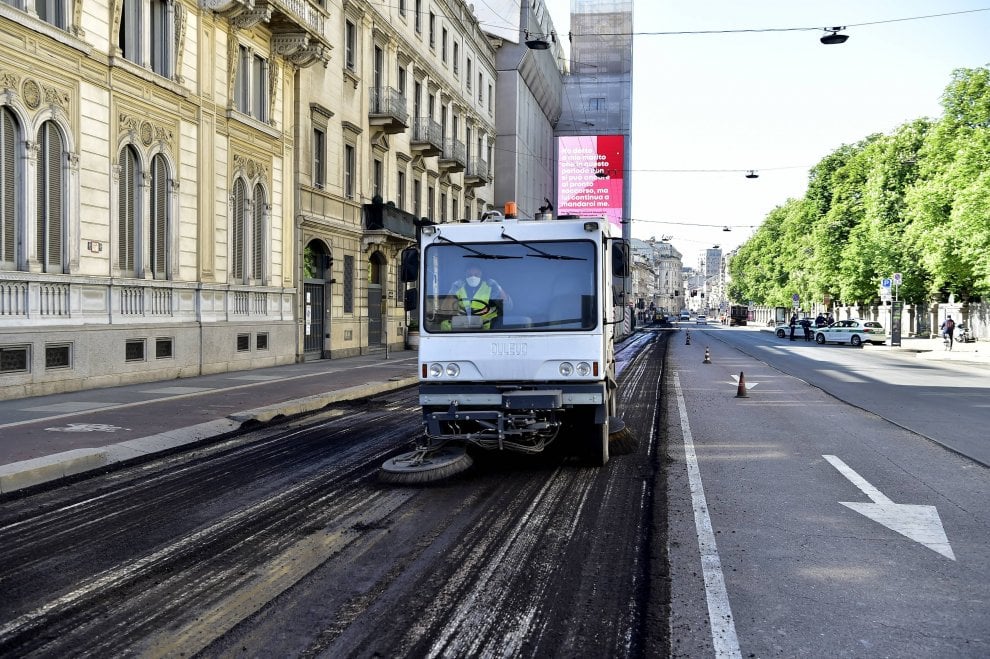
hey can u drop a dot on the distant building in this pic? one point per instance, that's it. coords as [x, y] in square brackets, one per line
[528, 101]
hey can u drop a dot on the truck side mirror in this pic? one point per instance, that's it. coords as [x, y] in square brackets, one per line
[409, 268]
[620, 258]
[409, 302]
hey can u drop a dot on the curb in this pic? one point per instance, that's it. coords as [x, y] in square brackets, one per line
[37, 471]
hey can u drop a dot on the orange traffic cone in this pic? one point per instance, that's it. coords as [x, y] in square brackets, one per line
[741, 390]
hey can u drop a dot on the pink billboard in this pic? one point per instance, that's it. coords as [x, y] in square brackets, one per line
[589, 176]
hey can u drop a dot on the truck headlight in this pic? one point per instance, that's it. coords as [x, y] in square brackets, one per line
[436, 370]
[566, 368]
[453, 370]
[584, 369]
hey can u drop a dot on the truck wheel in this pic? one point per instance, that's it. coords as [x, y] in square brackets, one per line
[598, 444]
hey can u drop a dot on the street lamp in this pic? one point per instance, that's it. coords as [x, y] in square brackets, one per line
[539, 41]
[834, 37]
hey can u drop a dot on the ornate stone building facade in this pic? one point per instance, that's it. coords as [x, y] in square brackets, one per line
[162, 196]
[400, 125]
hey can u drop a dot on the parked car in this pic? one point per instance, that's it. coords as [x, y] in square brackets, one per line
[853, 331]
[783, 330]
[701, 319]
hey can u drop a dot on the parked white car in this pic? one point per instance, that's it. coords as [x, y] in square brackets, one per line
[853, 331]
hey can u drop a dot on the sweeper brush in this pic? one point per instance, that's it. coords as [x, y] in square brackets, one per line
[425, 465]
[621, 439]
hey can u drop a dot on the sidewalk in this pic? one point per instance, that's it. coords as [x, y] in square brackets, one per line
[50, 437]
[976, 352]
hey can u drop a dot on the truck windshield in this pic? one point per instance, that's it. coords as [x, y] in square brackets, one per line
[509, 287]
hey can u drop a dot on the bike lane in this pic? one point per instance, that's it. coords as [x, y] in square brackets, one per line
[799, 525]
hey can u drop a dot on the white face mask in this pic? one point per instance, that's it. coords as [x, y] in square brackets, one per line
[473, 281]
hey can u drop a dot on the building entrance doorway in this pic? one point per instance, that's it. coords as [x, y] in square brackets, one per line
[376, 300]
[316, 300]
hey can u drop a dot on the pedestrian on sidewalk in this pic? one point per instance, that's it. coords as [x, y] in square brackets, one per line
[948, 330]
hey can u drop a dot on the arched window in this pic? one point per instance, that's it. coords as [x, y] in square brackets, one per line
[128, 203]
[51, 192]
[258, 235]
[237, 231]
[159, 221]
[10, 203]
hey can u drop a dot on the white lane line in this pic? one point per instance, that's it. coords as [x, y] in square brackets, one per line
[724, 638]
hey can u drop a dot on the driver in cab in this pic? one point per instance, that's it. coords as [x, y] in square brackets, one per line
[476, 296]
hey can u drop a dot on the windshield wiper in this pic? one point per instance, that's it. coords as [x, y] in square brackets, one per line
[475, 254]
[540, 254]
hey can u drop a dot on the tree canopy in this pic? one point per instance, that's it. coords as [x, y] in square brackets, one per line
[916, 201]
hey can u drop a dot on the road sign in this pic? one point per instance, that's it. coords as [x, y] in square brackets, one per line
[885, 283]
[795, 298]
[897, 279]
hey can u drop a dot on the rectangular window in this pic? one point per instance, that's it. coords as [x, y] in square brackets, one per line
[491, 96]
[402, 81]
[162, 41]
[457, 58]
[348, 284]
[402, 7]
[251, 84]
[319, 156]
[417, 200]
[134, 350]
[163, 348]
[131, 29]
[243, 343]
[350, 42]
[376, 179]
[596, 104]
[443, 45]
[433, 30]
[14, 359]
[469, 63]
[50, 11]
[430, 201]
[261, 341]
[481, 80]
[443, 208]
[400, 195]
[419, 20]
[349, 171]
[58, 355]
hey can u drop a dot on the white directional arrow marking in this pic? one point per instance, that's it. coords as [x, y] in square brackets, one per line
[919, 523]
[749, 385]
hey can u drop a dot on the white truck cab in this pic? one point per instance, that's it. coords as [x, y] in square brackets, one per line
[517, 319]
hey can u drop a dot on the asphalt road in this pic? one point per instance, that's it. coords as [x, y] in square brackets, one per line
[283, 543]
[782, 523]
[802, 526]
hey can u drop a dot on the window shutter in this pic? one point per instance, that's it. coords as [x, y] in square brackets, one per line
[258, 235]
[8, 189]
[237, 240]
[126, 211]
[159, 218]
[49, 213]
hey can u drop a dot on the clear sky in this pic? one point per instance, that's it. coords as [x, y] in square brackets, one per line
[773, 102]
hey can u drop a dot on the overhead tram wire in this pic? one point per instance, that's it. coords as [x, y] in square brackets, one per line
[817, 28]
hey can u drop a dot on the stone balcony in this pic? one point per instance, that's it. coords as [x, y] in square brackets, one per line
[387, 110]
[426, 137]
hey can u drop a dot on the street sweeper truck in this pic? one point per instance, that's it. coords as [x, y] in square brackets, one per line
[517, 319]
